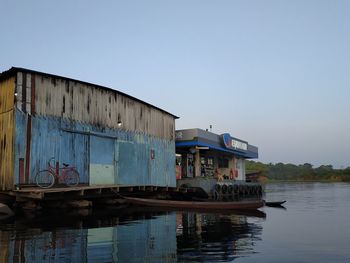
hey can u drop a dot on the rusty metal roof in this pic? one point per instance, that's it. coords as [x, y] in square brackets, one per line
[13, 70]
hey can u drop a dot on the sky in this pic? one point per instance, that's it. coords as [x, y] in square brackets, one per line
[273, 73]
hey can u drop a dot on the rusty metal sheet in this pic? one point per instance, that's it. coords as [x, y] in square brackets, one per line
[87, 104]
[91, 148]
[7, 127]
[36, 128]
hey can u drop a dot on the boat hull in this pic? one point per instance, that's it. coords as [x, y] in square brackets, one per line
[205, 205]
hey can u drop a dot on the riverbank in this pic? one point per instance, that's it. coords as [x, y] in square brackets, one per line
[304, 172]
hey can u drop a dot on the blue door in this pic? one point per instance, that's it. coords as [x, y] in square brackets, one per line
[102, 160]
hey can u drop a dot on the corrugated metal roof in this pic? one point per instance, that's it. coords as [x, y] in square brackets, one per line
[13, 70]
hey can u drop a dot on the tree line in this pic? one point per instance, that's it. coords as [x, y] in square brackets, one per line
[302, 172]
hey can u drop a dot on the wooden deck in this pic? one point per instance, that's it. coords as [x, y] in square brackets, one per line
[81, 192]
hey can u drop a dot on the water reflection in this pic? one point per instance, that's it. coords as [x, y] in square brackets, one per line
[215, 237]
[129, 235]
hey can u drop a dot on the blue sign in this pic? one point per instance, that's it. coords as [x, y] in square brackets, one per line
[234, 144]
[227, 140]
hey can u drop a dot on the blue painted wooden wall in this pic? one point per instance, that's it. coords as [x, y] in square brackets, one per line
[62, 245]
[90, 147]
[147, 240]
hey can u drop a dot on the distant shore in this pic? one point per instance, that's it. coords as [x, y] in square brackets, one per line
[287, 172]
[269, 181]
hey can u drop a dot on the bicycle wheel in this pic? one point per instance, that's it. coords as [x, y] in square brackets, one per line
[71, 177]
[44, 179]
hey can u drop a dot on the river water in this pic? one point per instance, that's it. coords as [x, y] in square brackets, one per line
[313, 227]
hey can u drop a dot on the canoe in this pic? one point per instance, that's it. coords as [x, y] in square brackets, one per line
[279, 203]
[205, 205]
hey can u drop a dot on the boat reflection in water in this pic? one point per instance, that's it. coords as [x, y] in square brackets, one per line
[129, 235]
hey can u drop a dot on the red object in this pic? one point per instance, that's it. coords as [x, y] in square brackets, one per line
[57, 167]
[178, 172]
[231, 174]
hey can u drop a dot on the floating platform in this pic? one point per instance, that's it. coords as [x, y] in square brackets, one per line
[83, 192]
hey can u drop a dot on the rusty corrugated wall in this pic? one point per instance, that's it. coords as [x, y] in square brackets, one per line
[90, 104]
[7, 96]
[101, 156]
[74, 121]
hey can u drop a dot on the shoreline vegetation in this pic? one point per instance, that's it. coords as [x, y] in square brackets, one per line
[280, 172]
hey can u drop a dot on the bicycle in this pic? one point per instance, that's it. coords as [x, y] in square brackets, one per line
[47, 178]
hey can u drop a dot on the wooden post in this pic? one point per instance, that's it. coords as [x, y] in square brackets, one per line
[197, 164]
[22, 178]
[28, 148]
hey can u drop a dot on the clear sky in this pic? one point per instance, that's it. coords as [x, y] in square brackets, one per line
[274, 73]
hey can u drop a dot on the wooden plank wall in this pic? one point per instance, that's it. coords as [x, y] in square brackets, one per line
[7, 98]
[105, 108]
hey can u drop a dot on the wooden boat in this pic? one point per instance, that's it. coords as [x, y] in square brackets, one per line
[274, 204]
[205, 205]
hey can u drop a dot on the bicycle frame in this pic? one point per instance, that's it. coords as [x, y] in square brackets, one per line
[47, 178]
[55, 170]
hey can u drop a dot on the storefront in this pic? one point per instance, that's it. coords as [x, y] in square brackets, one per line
[201, 153]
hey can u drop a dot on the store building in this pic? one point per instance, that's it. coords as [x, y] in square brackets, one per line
[201, 153]
[110, 137]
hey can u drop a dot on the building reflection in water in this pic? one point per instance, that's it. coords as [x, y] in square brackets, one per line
[215, 237]
[151, 240]
[128, 236]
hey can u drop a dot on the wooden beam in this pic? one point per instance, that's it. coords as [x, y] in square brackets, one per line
[31, 195]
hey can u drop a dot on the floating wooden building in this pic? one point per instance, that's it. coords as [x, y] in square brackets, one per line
[206, 154]
[110, 137]
[205, 158]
